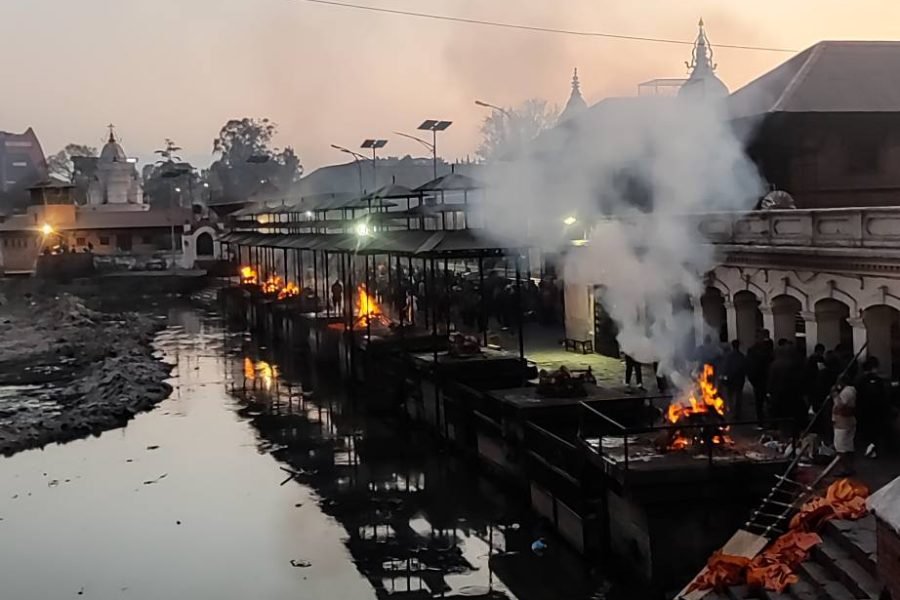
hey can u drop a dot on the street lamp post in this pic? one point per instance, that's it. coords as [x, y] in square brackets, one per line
[374, 145]
[502, 111]
[356, 157]
[434, 126]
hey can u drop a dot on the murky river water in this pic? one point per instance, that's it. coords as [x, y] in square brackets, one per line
[239, 486]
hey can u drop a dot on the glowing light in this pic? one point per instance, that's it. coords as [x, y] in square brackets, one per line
[248, 276]
[362, 230]
[579, 243]
[570, 220]
[178, 190]
[47, 229]
[309, 214]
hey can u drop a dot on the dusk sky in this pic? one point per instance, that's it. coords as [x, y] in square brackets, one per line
[181, 68]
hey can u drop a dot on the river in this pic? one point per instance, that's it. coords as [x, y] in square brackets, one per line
[240, 486]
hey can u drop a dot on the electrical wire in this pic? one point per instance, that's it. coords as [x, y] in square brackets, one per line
[534, 28]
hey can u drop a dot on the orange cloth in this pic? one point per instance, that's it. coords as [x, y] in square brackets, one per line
[844, 499]
[774, 568]
[722, 571]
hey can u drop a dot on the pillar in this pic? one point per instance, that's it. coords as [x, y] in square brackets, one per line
[700, 326]
[731, 320]
[859, 333]
[768, 318]
[812, 329]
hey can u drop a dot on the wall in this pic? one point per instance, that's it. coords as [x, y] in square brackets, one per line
[833, 160]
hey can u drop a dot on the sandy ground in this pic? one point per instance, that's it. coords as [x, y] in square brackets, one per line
[67, 371]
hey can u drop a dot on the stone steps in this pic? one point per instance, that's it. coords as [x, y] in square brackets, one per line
[845, 568]
[842, 567]
[857, 538]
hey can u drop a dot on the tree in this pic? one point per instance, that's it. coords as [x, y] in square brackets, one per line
[171, 181]
[505, 133]
[247, 162]
[168, 153]
[61, 163]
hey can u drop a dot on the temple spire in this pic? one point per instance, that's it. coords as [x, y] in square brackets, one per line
[702, 56]
[576, 103]
[112, 133]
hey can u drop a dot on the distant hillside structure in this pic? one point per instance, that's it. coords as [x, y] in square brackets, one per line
[22, 164]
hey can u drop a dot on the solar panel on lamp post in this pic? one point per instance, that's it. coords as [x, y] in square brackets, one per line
[434, 126]
[374, 144]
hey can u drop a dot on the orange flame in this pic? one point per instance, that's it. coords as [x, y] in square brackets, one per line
[367, 309]
[290, 290]
[709, 402]
[248, 276]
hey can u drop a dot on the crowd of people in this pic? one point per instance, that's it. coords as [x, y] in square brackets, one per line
[844, 402]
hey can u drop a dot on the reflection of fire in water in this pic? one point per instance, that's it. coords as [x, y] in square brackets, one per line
[248, 276]
[699, 415]
[264, 371]
[368, 311]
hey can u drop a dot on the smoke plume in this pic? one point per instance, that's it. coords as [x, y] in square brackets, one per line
[627, 171]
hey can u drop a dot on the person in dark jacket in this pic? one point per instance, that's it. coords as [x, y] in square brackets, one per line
[872, 408]
[759, 360]
[733, 375]
[817, 386]
[786, 386]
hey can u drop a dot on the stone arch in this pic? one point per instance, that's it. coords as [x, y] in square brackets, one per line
[715, 315]
[749, 317]
[788, 323]
[833, 327]
[205, 246]
[882, 322]
[881, 297]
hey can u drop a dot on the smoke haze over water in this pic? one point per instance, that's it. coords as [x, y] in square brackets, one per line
[645, 161]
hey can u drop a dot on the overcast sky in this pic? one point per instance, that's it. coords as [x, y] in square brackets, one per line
[181, 68]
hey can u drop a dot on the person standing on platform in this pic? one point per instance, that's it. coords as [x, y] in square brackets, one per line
[843, 418]
[759, 360]
[337, 294]
[872, 408]
[732, 377]
[633, 366]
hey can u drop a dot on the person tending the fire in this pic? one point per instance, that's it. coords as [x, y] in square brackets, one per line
[843, 417]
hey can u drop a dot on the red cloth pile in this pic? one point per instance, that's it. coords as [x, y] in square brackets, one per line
[774, 568]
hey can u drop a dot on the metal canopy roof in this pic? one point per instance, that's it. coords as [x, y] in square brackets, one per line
[454, 182]
[421, 243]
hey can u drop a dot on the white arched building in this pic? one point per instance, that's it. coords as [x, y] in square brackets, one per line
[825, 276]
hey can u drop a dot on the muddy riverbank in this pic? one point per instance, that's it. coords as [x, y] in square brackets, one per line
[68, 370]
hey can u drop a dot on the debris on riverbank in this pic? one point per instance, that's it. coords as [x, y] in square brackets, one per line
[68, 371]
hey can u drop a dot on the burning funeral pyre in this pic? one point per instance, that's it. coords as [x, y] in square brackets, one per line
[249, 276]
[368, 312]
[273, 285]
[698, 417]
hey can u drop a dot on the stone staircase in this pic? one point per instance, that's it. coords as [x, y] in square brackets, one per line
[842, 567]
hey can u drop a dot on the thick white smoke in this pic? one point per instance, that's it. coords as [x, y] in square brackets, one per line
[627, 170]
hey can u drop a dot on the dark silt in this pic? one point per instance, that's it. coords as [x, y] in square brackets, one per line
[241, 486]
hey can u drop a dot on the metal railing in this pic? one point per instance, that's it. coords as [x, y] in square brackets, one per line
[594, 424]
